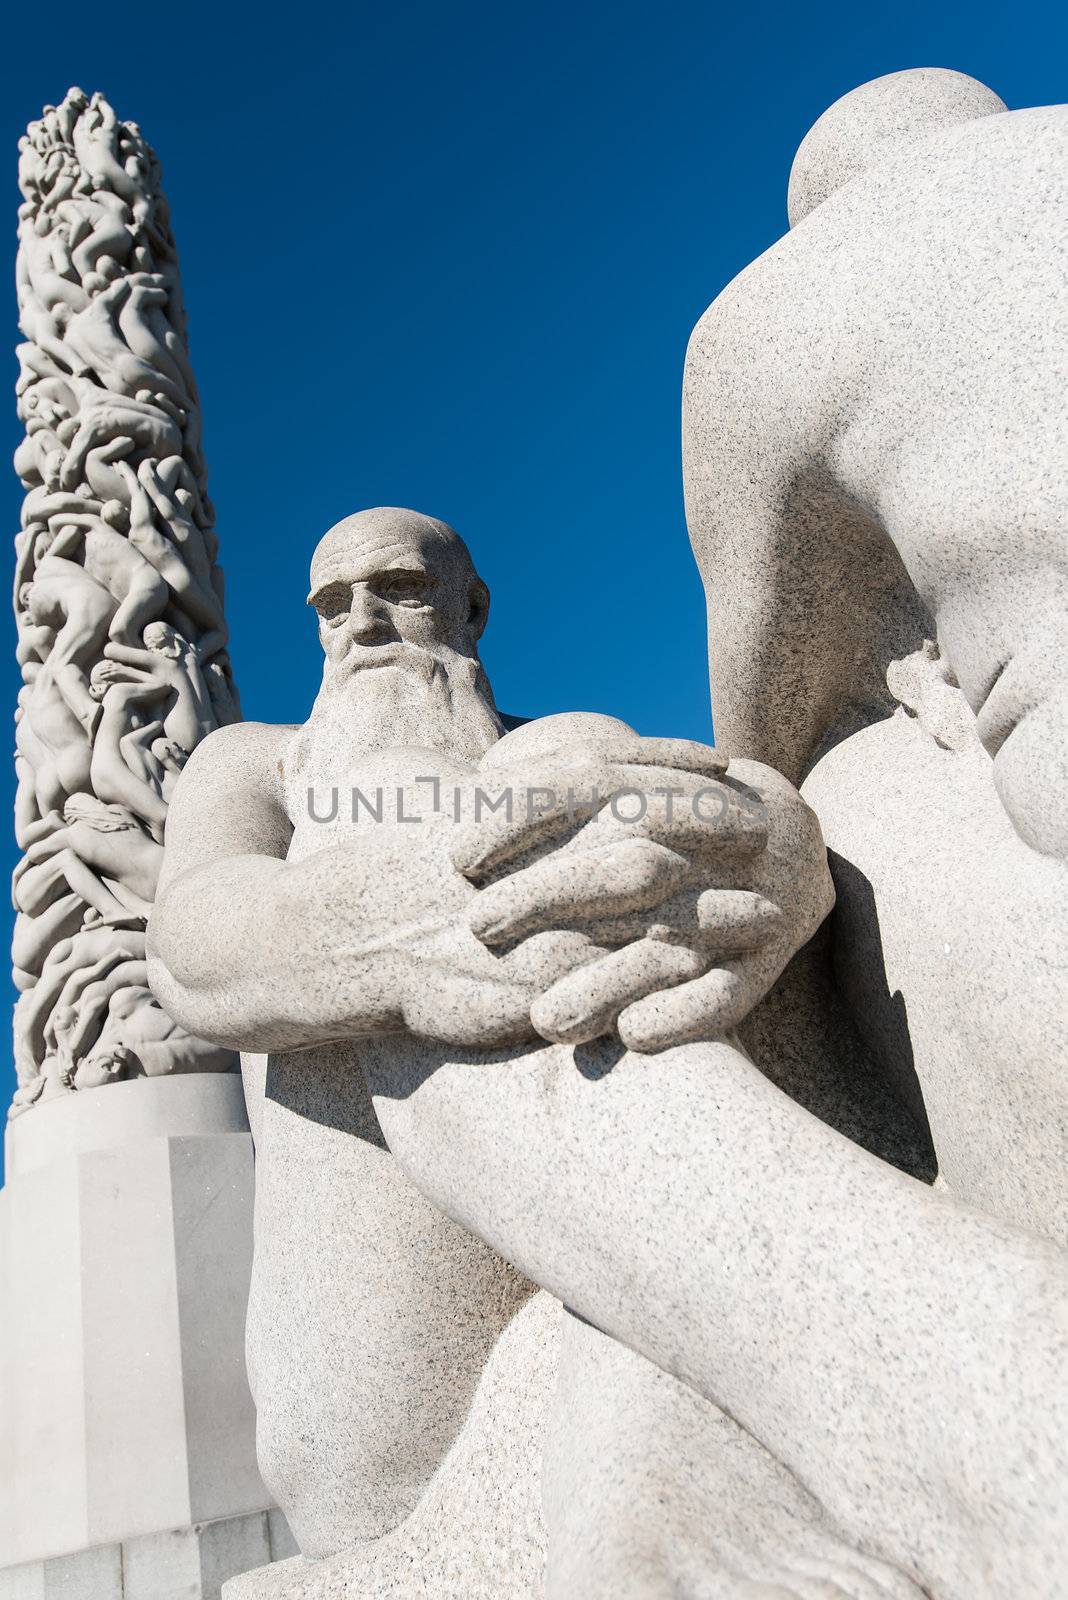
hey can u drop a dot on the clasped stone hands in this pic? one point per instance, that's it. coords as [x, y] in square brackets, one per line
[694, 886]
[661, 918]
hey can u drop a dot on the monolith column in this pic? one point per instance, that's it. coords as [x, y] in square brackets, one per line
[127, 1457]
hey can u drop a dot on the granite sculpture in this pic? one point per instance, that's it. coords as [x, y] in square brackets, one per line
[127, 1450]
[788, 1363]
[511, 1083]
[660, 1156]
[875, 440]
[118, 600]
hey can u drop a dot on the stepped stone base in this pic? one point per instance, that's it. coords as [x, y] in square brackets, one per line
[183, 1564]
[127, 1430]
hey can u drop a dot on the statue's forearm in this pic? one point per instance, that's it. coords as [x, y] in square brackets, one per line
[245, 953]
[206, 939]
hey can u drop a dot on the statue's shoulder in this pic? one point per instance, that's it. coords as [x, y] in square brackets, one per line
[247, 755]
[744, 346]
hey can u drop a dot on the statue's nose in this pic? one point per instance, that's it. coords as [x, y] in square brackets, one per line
[369, 618]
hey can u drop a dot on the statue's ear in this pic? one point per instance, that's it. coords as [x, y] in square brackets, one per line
[479, 608]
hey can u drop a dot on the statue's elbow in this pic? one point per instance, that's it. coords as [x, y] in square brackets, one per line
[180, 1000]
[185, 980]
[176, 975]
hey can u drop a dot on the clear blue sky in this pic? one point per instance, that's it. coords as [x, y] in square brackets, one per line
[449, 257]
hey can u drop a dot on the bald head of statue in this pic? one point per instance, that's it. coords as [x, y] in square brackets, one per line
[886, 119]
[387, 577]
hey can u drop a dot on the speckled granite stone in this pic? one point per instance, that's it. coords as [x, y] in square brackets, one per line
[343, 886]
[875, 436]
[508, 1052]
[488, 1484]
[885, 120]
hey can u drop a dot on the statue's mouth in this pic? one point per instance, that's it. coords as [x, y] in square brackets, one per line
[383, 655]
[397, 653]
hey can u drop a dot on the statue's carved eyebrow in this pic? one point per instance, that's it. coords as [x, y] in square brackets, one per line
[330, 587]
[341, 588]
[418, 574]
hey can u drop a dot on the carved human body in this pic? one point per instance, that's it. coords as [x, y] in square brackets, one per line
[461, 1307]
[52, 742]
[77, 611]
[116, 540]
[648, 1193]
[874, 410]
[90, 849]
[894, 410]
[114, 562]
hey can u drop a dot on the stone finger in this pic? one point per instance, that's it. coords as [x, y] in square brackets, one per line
[544, 958]
[706, 1008]
[516, 810]
[709, 816]
[721, 922]
[680, 755]
[585, 1004]
[562, 890]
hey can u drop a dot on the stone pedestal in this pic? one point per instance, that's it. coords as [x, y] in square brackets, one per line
[127, 1431]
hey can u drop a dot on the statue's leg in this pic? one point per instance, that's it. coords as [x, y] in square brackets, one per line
[901, 1354]
[949, 942]
[371, 1315]
[651, 1490]
[145, 601]
[35, 937]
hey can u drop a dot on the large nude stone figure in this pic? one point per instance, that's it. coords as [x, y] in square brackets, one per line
[875, 447]
[400, 610]
[399, 974]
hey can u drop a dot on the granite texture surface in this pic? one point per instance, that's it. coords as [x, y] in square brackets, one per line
[627, 1056]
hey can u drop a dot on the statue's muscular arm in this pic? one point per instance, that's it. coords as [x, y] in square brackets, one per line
[258, 953]
[220, 906]
[233, 953]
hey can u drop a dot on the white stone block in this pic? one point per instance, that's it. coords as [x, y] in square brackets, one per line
[162, 1566]
[283, 1544]
[84, 1575]
[228, 1548]
[126, 1240]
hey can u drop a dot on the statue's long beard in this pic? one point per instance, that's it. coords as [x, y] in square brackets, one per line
[426, 699]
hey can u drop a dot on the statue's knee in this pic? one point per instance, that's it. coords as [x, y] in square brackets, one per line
[1031, 776]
